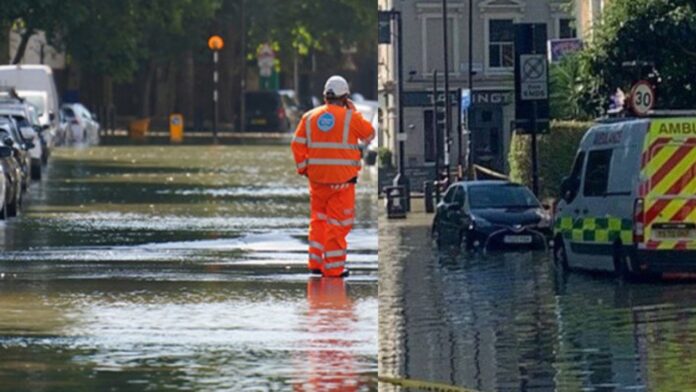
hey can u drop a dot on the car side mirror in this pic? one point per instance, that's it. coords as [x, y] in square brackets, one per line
[28, 133]
[569, 188]
[51, 116]
[45, 127]
[6, 152]
[29, 145]
[546, 206]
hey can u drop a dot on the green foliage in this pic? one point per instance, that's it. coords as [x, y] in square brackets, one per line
[303, 26]
[385, 157]
[556, 153]
[657, 31]
[567, 89]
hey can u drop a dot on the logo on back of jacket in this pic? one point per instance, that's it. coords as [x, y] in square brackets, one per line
[326, 122]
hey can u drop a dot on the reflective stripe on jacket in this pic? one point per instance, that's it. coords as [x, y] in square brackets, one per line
[325, 145]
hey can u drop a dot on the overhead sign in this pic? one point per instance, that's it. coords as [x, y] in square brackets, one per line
[534, 77]
[490, 97]
[561, 47]
[265, 59]
[642, 98]
[531, 79]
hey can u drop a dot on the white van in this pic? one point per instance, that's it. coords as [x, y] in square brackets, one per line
[629, 204]
[35, 83]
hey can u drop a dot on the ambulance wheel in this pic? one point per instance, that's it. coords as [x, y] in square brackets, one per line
[560, 257]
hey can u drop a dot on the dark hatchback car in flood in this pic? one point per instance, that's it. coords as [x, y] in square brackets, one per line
[491, 215]
[271, 111]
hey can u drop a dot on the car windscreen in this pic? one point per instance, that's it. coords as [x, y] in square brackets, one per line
[68, 113]
[501, 196]
[38, 102]
[262, 102]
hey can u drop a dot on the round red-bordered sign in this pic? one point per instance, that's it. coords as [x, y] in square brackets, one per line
[642, 98]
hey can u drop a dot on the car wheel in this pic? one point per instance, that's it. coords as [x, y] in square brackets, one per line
[12, 208]
[560, 257]
[35, 169]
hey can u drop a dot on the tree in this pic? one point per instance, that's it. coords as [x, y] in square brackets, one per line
[657, 32]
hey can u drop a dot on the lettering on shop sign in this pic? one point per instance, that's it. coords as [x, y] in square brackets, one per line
[603, 138]
[678, 128]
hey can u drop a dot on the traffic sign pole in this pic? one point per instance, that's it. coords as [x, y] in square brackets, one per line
[215, 96]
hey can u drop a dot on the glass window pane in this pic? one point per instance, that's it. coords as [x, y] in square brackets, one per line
[597, 173]
[508, 55]
[501, 30]
[494, 55]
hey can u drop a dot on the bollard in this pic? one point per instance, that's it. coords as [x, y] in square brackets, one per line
[176, 128]
[428, 197]
[396, 202]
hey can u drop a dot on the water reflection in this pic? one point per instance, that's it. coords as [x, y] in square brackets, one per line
[328, 362]
[173, 268]
[511, 322]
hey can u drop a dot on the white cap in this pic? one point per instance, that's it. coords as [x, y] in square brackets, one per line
[336, 86]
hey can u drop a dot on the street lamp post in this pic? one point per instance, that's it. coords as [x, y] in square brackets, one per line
[448, 109]
[401, 179]
[215, 44]
[470, 150]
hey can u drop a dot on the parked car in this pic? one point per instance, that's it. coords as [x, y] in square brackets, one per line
[270, 111]
[20, 113]
[82, 124]
[11, 163]
[491, 214]
[627, 205]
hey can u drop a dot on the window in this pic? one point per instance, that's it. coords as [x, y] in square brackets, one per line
[449, 196]
[566, 28]
[597, 173]
[501, 39]
[459, 196]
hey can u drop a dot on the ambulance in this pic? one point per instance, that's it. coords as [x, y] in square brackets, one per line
[629, 203]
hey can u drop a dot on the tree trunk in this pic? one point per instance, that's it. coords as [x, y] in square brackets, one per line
[5, 43]
[186, 94]
[147, 89]
[23, 45]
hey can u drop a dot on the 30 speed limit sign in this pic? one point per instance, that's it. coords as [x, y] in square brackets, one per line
[642, 98]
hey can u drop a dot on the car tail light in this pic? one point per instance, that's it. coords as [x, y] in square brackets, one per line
[638, 221]
[281, 113]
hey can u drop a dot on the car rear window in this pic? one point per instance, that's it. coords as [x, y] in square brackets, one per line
[501, 196]
[264, 102]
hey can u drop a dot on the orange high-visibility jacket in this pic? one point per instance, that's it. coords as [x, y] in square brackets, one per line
[325, 145]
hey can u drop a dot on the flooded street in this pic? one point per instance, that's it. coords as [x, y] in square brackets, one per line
[511, 322]
[181, 268]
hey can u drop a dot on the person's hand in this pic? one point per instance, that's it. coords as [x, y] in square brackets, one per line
[349, 104]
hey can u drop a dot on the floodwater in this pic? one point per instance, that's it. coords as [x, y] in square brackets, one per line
[181, 268]
[511, 322]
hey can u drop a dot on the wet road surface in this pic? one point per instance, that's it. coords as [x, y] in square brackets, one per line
[180, 268]
[511, 322]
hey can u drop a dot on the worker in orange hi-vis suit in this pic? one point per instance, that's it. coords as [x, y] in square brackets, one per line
[326, 150]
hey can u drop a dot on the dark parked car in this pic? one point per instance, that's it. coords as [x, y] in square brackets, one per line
[491, 214]
[271, 111]
[11, 137]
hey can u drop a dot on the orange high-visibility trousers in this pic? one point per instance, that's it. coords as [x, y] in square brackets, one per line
[333, 209]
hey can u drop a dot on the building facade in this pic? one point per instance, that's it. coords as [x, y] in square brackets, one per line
[492, 112]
